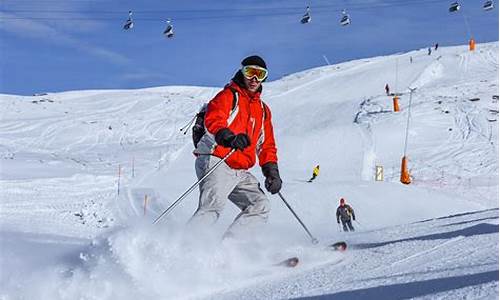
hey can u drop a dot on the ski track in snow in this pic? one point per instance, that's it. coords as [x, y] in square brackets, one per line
[60, 154]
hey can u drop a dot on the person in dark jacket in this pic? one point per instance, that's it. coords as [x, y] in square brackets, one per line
[344, 213]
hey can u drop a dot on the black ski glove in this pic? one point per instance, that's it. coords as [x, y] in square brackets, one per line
[227, 138]
[273, 180]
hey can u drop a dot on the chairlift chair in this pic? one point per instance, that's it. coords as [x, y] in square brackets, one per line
[129, 24]
[346, 20]
[488, 5]
[169, 31]
[454, 7]
[306, 18]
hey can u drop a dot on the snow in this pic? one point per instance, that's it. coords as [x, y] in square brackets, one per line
[77, 166]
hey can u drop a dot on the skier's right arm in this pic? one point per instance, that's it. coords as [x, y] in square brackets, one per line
[218, 111]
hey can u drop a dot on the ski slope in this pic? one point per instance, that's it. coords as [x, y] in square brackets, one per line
[76, 167]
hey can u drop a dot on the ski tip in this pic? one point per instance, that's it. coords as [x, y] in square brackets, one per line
[290, 262]
[339, 246]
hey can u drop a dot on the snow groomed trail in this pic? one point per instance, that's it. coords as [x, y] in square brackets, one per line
[401, 262]
[436, 238]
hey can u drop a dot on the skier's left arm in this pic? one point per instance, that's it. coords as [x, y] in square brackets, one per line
[267, 154]
[352, 213]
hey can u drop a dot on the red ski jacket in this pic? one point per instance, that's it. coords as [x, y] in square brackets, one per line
[251, 116]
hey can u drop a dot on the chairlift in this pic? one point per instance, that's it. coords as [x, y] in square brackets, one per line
[129, 24]
[346, 20]
[169, 31]
[306, 18]
[488, 5]
[454, 7]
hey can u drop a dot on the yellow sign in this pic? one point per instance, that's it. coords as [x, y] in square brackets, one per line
[379, 173]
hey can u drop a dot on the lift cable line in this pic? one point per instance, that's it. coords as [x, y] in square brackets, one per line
[158, 15]
[294, 9]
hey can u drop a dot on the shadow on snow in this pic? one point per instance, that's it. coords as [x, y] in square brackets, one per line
[414, 289]
[482, 228]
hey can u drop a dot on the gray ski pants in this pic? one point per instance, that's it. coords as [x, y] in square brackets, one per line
[239, 186]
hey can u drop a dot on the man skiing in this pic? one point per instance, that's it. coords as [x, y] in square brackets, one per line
[236, 118]
[387, 89]
[315, 173]
[344, 213]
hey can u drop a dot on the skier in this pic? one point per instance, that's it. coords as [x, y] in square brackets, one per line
[315, 173]
[429, 51]
[436, 46]
[344, 213]
[387, 89]
[250, 131]
[411, 59]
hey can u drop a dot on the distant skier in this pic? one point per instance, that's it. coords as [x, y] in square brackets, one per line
[315, 173]
[411, 59]
[387, 90]
[249, 130]
[429, 51]
[436, 46]
[344, 213]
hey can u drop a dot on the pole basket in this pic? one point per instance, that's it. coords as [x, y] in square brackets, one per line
[395, 102]
[472, 45]
[405, 175]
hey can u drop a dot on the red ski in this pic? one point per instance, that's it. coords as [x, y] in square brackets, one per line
[338, 246]
[289, 262]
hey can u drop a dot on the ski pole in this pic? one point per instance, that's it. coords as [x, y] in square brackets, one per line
[210, 171]
[340, 229]
[186, 127]
[313, 239]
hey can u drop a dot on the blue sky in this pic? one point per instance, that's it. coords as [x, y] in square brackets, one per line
[59, 45]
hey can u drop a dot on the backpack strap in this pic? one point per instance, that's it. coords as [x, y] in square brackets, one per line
[234, 109]
[236, 98]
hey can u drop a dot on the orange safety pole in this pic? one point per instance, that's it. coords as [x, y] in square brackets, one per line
[395, 102]
[405, 175]
[472, 44]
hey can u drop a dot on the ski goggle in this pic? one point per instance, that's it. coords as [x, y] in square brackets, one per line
[254, 71]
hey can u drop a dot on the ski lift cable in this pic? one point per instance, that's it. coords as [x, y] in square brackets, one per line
[269, 13]
[83, 18]
[278, 11]
[206, 10]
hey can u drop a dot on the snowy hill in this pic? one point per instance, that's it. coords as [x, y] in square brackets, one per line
[65, 156]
